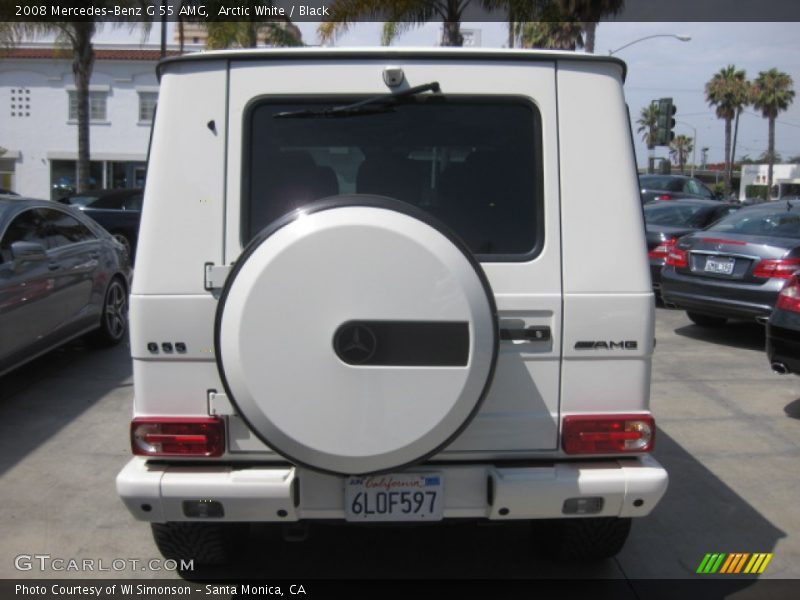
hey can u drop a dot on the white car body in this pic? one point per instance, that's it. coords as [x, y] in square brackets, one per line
[588, 287]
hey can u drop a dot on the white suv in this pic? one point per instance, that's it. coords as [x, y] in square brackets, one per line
[391, 285]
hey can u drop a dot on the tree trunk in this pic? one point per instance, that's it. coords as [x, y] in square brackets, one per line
[728, 157]
[588, 43]
[451, 34]
[82, 64]
[733, 148]
[770, 154]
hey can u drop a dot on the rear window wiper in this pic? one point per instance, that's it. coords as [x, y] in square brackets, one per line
[376, 104]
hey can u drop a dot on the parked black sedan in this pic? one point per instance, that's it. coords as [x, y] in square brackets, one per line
[665, 222]
[118, 211]
[671, 187]
[61, 276]
[735, 268]
[783, 329]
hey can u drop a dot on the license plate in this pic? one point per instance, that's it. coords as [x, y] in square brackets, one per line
[720, 266]
[394, 497]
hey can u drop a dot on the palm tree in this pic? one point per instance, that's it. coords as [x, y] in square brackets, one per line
[590, 12]
[680, 148]
[401, 15]
[247, 32]
[729, 91]
[552, 35]
[647, 121]
[77, 37]
[772, 94]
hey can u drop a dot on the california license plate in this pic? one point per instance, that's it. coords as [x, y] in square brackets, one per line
[720, 266]
[394, 497]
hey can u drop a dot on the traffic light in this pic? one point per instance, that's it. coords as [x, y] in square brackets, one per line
[665, 122]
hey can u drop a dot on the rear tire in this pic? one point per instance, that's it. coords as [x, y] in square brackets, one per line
[204, 543]
[114, 317]
[585, 539]
[705, 320]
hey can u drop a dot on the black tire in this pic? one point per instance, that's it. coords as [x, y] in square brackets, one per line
[113, 318]
[584, 540]
[204, 543]
[705, 320]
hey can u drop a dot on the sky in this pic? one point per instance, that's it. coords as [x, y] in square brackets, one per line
[659, 67]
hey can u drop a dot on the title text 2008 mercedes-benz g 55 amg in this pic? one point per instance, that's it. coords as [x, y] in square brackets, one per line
[391, 285]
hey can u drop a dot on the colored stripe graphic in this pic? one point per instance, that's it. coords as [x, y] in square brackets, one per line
[734, 563]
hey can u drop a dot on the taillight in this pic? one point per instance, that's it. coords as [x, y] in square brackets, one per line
[663, 197]
[607, 434]
[175, 436]
[663, 249]
[677, 258]
[782, 268]
[789, 298]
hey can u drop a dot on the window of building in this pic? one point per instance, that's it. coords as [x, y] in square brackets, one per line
[147, 106]
[97, 106]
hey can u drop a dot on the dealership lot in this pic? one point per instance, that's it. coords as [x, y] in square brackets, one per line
[729, 435]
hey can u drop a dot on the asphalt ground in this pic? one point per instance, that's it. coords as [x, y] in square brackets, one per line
[728, 434]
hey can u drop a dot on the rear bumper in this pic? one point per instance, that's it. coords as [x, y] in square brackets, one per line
[156, 492]
[718, 297]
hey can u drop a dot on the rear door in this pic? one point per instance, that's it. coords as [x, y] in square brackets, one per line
[482, 158]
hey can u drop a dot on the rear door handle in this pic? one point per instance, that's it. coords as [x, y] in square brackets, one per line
[54, 266]
[534, 333]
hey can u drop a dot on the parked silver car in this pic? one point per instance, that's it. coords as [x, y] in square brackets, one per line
[61, 276]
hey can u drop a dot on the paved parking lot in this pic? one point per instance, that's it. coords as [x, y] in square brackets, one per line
[729, 435]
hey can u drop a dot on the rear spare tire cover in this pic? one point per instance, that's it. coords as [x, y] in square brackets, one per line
[356, 335]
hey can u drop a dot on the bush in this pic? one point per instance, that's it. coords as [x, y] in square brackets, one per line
[756, 191]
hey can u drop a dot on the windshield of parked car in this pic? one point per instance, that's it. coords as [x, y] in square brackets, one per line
[473, 163]
[780, 221]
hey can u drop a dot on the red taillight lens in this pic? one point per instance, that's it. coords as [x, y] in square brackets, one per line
[782, 268]
[167, 436]
[663, 197]
[663, 249]
[789, 298]
[608, 434]
[677, 258]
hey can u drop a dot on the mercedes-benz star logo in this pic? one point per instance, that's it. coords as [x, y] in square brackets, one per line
[355, 344]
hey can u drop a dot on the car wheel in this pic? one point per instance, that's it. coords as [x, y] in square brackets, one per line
[705, 320]
[126, 243]
[584, 539]
[114, 316]
[204, 543]
[382, 347]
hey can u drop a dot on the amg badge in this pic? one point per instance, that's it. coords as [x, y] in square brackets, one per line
[601, 345]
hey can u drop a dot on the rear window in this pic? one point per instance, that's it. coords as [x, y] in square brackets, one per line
[779, 222]
[473, 163]
[672, 214]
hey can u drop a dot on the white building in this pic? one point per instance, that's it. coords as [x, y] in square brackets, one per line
[756, 174]
[38, 123]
